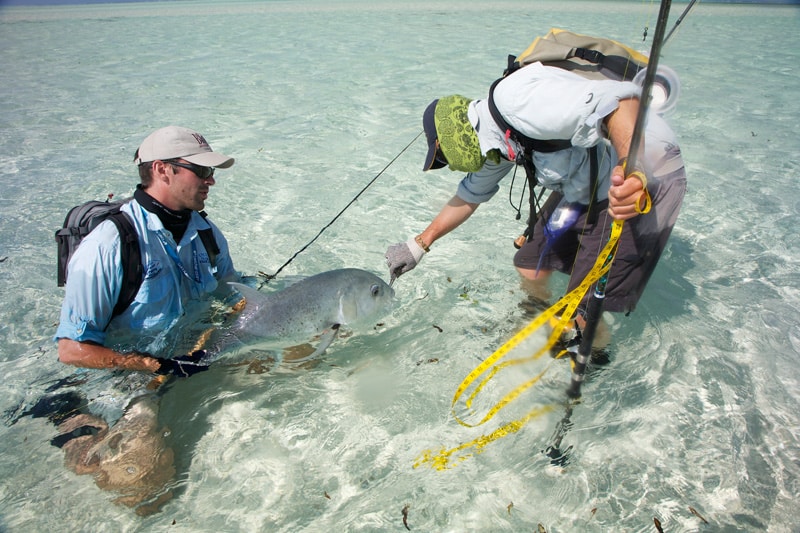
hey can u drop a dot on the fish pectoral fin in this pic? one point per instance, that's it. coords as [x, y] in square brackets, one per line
[325, 340]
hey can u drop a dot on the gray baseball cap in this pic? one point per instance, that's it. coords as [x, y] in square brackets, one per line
[175, 142]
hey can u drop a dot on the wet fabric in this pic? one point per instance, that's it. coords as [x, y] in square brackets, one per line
[175, 273]
[640, 246]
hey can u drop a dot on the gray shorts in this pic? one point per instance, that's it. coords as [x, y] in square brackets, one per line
[640, 245]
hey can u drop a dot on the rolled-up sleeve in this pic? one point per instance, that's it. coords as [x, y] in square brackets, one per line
[479, 187]
[95, 277]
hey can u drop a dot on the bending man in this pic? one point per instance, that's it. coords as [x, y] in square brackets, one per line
[597, 118]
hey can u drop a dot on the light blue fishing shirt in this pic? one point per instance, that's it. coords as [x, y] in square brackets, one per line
[551, 103]
[174, 274]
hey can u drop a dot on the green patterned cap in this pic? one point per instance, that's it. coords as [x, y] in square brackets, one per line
[457, 137]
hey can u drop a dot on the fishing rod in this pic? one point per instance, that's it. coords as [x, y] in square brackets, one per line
[557, 456]
[269, 277]
[594, 309]
[680, 19]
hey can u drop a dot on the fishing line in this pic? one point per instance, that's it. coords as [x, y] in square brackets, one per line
[269, 277]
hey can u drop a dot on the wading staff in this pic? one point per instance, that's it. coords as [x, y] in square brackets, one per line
[594, 309]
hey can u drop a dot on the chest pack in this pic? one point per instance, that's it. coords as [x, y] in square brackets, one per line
[83, 218]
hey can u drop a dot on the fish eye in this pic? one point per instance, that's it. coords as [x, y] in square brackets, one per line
[375, 289]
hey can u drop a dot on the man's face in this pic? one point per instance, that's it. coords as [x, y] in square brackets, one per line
[189, 184]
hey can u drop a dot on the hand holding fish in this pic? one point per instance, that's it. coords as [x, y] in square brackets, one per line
[403, 256]
[183, 366]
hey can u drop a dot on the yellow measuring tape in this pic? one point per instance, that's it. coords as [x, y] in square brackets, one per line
[562, 312]
[445, 459]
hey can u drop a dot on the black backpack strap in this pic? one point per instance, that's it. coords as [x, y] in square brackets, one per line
[533, 198]
[621, 66]
[62, 241]
[209, 242]
[131, 257]
[594, 171]
[511, 65]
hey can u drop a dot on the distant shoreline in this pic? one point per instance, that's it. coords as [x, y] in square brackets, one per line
[5, 3]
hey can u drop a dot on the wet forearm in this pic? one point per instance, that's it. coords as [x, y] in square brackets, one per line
[455, 213]
[620, 125]
[87, 355]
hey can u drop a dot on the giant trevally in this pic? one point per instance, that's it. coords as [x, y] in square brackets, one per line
[317, 305]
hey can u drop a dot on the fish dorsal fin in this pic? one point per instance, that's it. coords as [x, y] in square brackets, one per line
[253, 297]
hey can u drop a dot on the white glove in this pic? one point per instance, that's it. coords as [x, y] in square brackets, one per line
[402, 257]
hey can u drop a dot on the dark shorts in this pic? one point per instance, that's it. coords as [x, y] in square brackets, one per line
[640, 245]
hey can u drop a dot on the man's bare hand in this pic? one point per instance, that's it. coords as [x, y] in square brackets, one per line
[624, 195]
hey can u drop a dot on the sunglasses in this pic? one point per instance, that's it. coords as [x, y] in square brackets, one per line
[203, 173]
[439, 160]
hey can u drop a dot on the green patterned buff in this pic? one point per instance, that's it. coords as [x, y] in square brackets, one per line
[457, 138]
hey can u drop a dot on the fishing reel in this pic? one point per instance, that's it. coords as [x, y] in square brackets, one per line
[665, 91]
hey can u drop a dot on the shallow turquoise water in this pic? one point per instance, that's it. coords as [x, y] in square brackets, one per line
[699, 407]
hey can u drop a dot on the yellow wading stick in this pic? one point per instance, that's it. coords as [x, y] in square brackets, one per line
[594, 309]
[567, 306]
